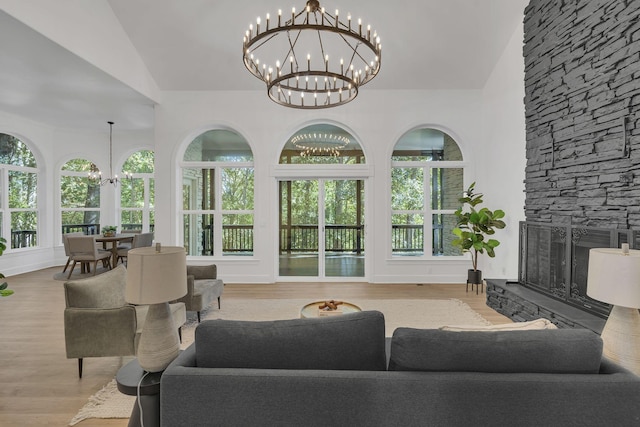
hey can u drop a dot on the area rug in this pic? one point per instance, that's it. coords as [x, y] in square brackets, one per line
[413, 313]
[77, 273]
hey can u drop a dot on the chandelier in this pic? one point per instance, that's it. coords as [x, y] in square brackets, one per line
[95, 175]
[320, 144]
[312, 60]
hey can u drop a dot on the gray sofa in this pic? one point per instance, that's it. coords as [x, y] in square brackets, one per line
[342, 371]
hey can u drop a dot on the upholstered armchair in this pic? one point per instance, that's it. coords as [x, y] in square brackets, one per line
[98, 322]
[203, 286]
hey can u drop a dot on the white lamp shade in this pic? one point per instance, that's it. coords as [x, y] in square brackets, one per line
[155, 277]
[614, 277]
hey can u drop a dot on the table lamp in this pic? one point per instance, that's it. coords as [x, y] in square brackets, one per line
[614, 278]
[155, 276]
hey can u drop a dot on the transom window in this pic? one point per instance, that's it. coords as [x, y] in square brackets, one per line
[218, 195]
[427, 178]
[19, 190]
[322, 144]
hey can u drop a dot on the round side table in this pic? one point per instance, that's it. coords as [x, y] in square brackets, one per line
[128, 378]
[311, 309]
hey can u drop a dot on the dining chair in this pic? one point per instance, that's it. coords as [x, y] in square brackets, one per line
[139, 241]
[83, 249]
[65, 242]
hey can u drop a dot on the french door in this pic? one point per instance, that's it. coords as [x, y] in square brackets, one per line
[321, 228]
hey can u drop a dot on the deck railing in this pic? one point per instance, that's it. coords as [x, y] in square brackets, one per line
[407, 238]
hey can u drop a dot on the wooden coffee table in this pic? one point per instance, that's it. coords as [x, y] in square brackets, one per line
[311, 309]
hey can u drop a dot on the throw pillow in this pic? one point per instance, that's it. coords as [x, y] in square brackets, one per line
[517, 326]
[535, 351]
[353, 341]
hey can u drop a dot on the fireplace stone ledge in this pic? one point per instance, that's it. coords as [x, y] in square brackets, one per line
[520, 304]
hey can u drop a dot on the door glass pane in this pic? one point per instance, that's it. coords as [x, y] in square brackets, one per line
[344, 228]
[299, 228]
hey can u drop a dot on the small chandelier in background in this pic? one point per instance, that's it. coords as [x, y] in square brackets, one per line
[312, 60]
[95, 175]
[320, 144]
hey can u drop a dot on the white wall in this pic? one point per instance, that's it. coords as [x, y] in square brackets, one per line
[502, 160]
[488, 125]
[377, 119]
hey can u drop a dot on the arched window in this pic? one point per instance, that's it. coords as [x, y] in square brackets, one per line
[137, 196]
[19, 188]
[322, 144]
[79, 198]
[217, 195]
[426, 182]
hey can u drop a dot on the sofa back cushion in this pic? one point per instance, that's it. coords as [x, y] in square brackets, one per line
[352, 341]
[105, 290]
[534, 351]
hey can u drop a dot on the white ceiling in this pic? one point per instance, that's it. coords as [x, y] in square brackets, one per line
[196, 45]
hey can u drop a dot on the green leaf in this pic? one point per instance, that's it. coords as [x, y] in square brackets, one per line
[6, 292]
[3, 286]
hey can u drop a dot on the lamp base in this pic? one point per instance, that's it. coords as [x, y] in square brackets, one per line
[621, 337]
[159, 342]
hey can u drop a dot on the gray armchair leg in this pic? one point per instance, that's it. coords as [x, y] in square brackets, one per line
[218, 303]
[80, 367]
[198, 317]
[180, 333]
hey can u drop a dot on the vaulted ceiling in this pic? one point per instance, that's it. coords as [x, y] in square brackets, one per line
[196, 45]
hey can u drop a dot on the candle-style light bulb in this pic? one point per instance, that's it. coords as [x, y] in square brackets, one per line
[279, 17]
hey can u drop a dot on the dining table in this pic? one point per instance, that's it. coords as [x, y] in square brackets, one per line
[114, 241]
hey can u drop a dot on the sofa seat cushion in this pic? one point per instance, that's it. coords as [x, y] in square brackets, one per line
[529, 351]
[353, 341]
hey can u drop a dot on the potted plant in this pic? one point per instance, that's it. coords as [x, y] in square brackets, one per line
[4, 292]
[473, 227]
[109, 230]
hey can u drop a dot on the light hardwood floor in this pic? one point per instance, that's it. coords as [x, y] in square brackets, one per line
[40, 386]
